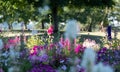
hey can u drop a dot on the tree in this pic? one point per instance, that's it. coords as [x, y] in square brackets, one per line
[16, 10]
[56, 5]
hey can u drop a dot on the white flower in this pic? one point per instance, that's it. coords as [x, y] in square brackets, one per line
[1, 44]
[61, 61]
[88, 60]
[71, 29]
[64, 67]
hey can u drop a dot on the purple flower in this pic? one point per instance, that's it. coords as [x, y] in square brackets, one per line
[1, 70]
[82, 70]
[42, 68]
[43, 58]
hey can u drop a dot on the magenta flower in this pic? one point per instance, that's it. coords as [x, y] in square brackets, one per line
[34, 50]
[35, 47]
[41, 47]
[51, 46]
[77, 49]
[50, 30]
[12, 42]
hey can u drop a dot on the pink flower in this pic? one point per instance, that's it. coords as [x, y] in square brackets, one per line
[7, 45]
[62, 40]
[50, 30]
[75, 42]
[67, 44]
[51, 46]
[11, 41]
[17, 39]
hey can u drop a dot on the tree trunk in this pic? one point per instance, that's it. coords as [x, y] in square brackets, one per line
[25, 25]
[90, 28]
[55, 18]
[10, 26]
[43, 24]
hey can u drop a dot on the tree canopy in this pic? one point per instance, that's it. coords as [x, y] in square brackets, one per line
[28, 9]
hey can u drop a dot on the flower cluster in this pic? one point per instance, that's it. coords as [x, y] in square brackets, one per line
[88, 43]
[88, 63]
[79, 49]
[12, 42]
[38, 54]
[108, 56]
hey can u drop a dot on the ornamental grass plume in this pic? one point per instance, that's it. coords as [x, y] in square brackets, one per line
[71, 29]
[88, 60]
[102, 68]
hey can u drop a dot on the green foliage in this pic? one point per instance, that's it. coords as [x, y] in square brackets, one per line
[34, 40]
[20, 9]
[25, 66]
[114, 43]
